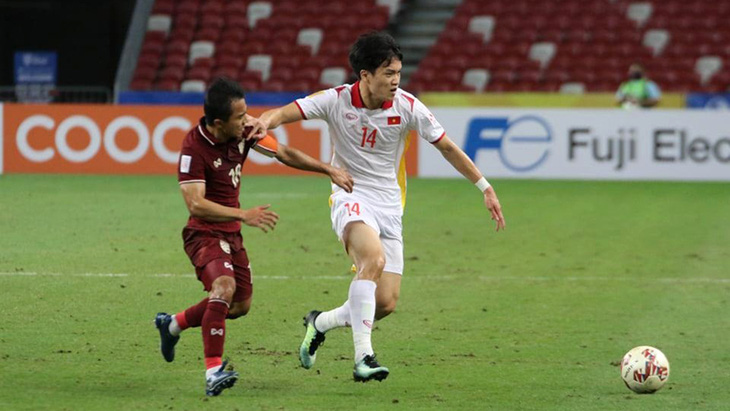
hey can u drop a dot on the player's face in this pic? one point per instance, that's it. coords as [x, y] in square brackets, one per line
[385, 81]
[233, 128]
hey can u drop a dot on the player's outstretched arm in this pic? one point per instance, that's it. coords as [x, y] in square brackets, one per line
[463, 164]
[200, 207]
[297, 159]
[275, 117]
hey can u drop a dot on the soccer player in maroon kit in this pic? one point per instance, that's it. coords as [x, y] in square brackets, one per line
[209, 173]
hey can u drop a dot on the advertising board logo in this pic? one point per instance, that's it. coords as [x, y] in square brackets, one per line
[522, 143]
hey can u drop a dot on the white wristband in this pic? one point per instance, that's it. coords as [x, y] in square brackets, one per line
[482, 184]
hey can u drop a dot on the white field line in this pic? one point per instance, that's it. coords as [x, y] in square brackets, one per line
[521, 279]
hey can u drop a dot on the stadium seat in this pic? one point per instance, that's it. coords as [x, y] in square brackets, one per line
[152, 47]
[477, 79]
[333, 76]
[172, 73]
[392, 5]
[168, 85]
[639, 13]
[159, 22]
[192, 85]
[163, 7]
[225, 71]
[542, 52]
[207, 34]
[187, 7]
[258, 10]
[200, 49]
[707, 66]
[482, 25]
[260, 63]
[189, 21]
[211, 8]
[281, 73]
[176, 60]
[141, 85]
[145, 73]
[656, 40]
[311, 37]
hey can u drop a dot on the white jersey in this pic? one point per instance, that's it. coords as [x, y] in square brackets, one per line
[371, 144]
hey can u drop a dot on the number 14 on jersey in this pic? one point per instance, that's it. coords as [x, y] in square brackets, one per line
[368, 137]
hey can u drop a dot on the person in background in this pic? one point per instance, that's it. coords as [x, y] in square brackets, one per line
[638, 91]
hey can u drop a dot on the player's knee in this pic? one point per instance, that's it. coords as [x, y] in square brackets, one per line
[372, 268]
[223, 288]
[239, 309]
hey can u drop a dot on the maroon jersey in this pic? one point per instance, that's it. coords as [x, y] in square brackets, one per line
[205, 160]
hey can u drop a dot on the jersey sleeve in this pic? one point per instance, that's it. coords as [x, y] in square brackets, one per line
[190, 167]
[267, 146]
[425, 124]
[317, 105]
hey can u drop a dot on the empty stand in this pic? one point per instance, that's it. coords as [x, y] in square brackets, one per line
[522, 45]
[201, 39]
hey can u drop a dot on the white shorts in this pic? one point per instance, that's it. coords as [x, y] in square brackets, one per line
[349, 207]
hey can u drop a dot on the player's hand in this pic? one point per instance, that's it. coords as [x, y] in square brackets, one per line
[260, 217]
[342, 178]
[495, 209]
[257, 126]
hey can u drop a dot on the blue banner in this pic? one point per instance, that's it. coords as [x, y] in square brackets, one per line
[35, 76]
[709, 101]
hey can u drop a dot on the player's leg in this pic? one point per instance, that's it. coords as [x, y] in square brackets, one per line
[386, 295]
[363, 245]
[243, 295]
[218, 278]
[388, 290]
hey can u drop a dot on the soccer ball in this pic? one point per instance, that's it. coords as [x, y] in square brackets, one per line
[644, 369]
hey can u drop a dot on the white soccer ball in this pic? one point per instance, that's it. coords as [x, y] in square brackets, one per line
[644, 369]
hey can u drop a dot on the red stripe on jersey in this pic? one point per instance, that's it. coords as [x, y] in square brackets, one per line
[410, 100]
[304, 116]
[439, 139]
[357, 98]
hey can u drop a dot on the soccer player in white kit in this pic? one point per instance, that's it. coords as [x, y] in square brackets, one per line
[369, 124]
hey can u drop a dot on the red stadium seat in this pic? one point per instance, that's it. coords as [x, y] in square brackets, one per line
[141, 85]
[167, 85]
[176, 60]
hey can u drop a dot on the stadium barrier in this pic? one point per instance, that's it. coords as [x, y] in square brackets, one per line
[516, 143]
[103, 139]
[534, 100]
[586, 144]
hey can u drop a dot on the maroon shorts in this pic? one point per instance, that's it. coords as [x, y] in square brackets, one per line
[216, 253]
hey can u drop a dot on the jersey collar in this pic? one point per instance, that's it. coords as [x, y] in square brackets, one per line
[357, 98]
[205, 133]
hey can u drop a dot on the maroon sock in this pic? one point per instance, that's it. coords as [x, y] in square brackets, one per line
[214, 328]
[193, 316]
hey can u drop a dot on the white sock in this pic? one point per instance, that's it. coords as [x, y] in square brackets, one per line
[174, 328]
[210, 371]
[362, 315]
[338, 317]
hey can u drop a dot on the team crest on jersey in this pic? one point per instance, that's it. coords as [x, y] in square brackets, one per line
[225, 246]
[217, 163]
[351, 116]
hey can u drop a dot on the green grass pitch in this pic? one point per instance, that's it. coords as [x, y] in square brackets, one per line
[533, 318]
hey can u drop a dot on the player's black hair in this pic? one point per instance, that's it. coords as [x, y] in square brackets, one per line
[221, 92]
[372, 50]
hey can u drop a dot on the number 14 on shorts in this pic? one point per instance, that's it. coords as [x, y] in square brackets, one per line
[352, 208]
